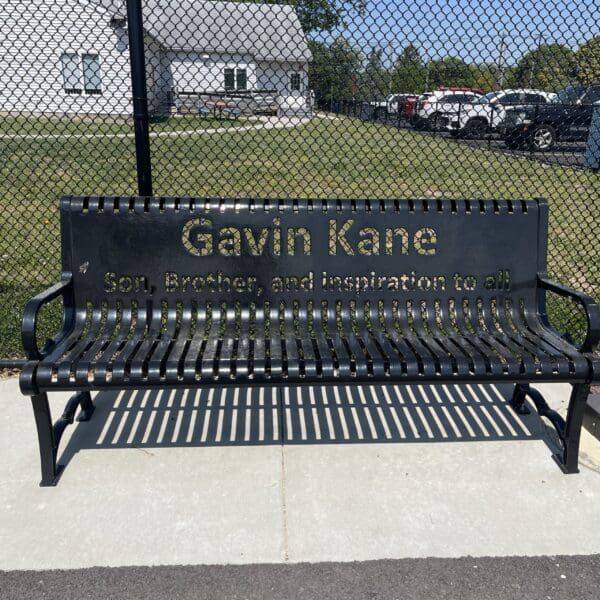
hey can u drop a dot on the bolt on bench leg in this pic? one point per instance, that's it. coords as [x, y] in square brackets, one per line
[568, 431]
[49, 434]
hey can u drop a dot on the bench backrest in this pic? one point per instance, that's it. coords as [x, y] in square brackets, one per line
[152, 250]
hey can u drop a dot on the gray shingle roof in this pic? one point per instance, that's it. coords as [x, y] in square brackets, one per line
[269, 32]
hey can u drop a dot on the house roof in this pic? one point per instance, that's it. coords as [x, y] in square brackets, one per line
[266, 31]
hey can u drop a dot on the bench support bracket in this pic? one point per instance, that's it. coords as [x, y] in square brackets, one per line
[50, 434]
[568, 431]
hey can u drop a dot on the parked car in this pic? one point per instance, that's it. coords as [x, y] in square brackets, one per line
[432, 105]
[485, 115]
[392, 103]
[566, 118]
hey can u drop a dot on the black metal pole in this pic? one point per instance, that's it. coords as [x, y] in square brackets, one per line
[140, 97]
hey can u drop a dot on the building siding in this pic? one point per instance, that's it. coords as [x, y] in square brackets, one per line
[276, 76]
[33, 36]
[198, 72]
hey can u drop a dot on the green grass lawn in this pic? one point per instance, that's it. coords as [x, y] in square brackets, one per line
[108, 125]
[325, 158]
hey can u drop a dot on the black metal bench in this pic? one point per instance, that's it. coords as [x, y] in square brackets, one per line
[165, 292]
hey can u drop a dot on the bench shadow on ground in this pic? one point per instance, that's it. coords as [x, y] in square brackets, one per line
[304, 415]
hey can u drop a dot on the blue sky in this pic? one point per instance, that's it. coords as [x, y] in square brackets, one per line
[471, 29]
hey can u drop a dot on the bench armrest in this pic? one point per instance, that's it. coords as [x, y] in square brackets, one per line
[589, 305]
[30, 315]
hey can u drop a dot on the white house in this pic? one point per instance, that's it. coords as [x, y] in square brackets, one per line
[71, 56]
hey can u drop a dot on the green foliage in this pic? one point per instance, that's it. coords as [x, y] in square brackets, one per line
[587, 59]
[409, 74]
[550, 67]
[333, 69]
[450, 71]
[488, 76]
[324, 15]
[374, 82]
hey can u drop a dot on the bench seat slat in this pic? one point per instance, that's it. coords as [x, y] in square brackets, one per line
[139, 363]
[323, 348]
[475, 359]
[431, 343]
[225, 366]
[104, 362]
[244, 346]
[377, 359]
[86, 363]
[157, 362]
[543, 341]
[175, 363]
[122, 358]
[530, 355]
[493, 364]
[310, 364]
[568, 358]
[392, 357]
[409, 357]
[344, 362]
[67, 362]
[210, 355]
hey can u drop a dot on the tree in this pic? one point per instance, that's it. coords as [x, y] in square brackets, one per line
[488, 76]
[333, 69]
[587, 59]
[450, 71]
[324, 15]
[549, 67]
[409, 74]
[374, 81]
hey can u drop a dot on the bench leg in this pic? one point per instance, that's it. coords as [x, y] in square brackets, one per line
[518, 399]
[45, 431]
[49, 434]
[575, 413]
[568, 431]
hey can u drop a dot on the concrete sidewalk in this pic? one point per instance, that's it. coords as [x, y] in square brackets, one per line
[355, 474]
[259, 124]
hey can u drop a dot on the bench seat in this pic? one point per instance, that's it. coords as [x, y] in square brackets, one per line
[107, 350]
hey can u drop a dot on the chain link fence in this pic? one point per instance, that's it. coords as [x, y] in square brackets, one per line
[317, 99]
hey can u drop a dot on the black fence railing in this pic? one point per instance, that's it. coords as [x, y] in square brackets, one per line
[344, 99]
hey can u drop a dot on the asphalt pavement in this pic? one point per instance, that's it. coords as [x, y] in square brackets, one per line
[508, 578]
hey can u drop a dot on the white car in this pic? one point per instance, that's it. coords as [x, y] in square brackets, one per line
[389, 105]
[432, 105]
[489, 112]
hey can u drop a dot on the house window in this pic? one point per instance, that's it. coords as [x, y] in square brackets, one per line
[240, 79]
[236, 79]
[92, 79]
[71, 73]
[229, 79]
[78, 69]
[295, 82]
